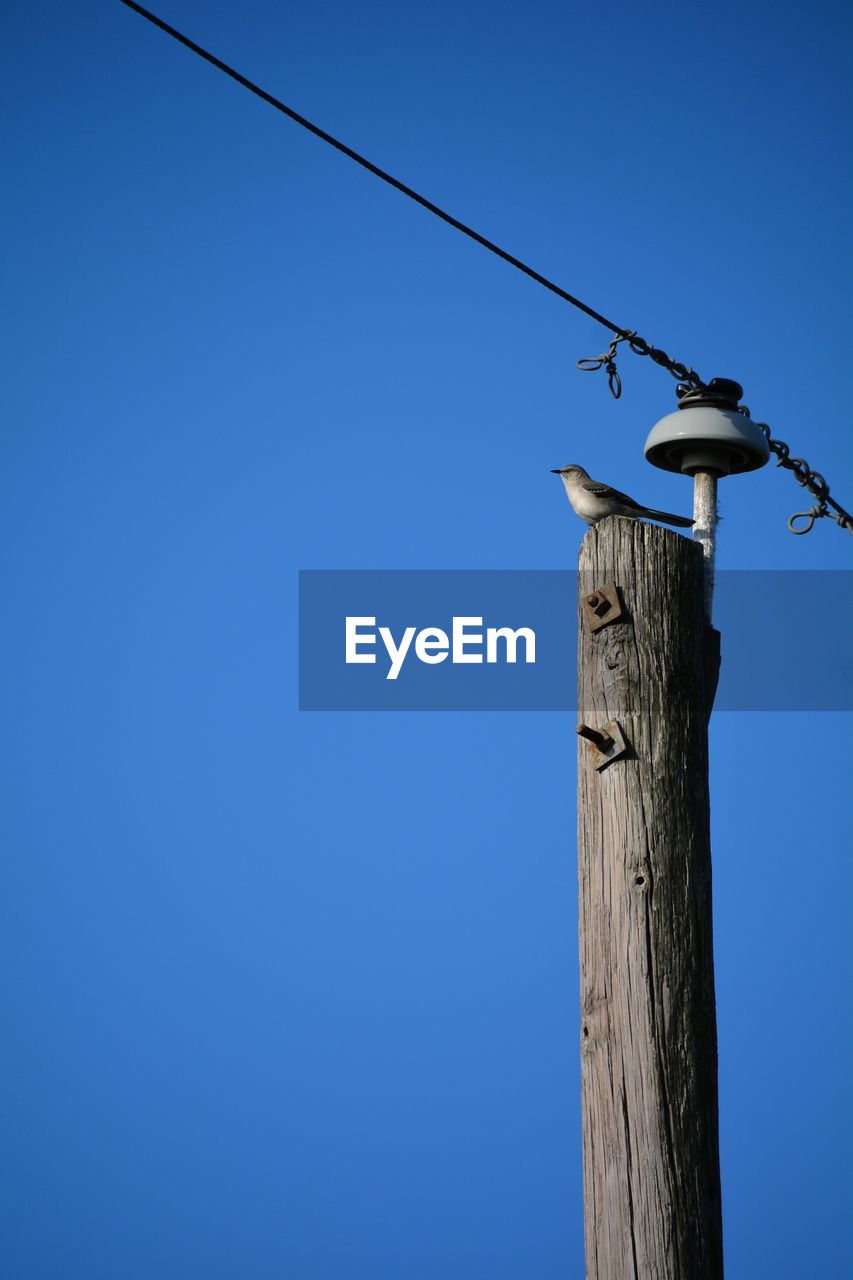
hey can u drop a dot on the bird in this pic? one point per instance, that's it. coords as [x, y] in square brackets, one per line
[593, 500]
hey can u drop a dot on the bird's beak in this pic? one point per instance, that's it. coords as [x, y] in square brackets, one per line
[556, 471]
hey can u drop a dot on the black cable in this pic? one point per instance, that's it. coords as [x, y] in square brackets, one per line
[811, 480]
[374, 169]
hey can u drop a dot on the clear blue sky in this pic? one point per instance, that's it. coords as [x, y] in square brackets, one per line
[295, 995]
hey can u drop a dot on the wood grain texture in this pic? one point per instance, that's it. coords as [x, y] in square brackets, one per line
[648, 1024]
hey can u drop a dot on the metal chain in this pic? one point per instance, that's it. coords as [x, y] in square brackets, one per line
[607, 361]
[680, 371]
[811, 480]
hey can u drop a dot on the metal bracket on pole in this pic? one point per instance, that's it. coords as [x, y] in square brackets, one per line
[602, 607]
[605, 744]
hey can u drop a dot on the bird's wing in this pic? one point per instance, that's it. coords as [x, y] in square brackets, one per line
[606, 491]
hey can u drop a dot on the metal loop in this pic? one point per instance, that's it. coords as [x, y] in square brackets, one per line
[813, 513]
[607, 360]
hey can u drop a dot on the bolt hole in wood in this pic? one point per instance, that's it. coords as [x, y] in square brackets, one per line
[586, 1033]
[640, 880]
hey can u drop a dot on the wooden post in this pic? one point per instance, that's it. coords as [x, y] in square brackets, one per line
[648, 1024]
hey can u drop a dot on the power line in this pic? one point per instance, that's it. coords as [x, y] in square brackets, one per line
[811, 480]
[374, 168]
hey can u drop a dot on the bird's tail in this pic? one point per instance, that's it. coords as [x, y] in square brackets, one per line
[681, 521]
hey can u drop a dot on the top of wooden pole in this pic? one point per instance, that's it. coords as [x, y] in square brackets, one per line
[618, 542]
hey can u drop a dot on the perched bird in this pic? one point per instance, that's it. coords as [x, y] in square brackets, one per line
[592, 500]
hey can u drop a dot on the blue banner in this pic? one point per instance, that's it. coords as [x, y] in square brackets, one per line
[506, 640]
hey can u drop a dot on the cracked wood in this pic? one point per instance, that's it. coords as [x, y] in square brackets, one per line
[648, 1025]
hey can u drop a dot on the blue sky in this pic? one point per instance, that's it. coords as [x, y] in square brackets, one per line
[293, 994]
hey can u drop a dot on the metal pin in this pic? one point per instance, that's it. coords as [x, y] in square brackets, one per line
[601, 740]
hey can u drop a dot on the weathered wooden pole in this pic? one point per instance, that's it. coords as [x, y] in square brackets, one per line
[648, 1027]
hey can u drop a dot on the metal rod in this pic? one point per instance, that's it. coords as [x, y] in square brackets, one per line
[705, 528]
[600, 740]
